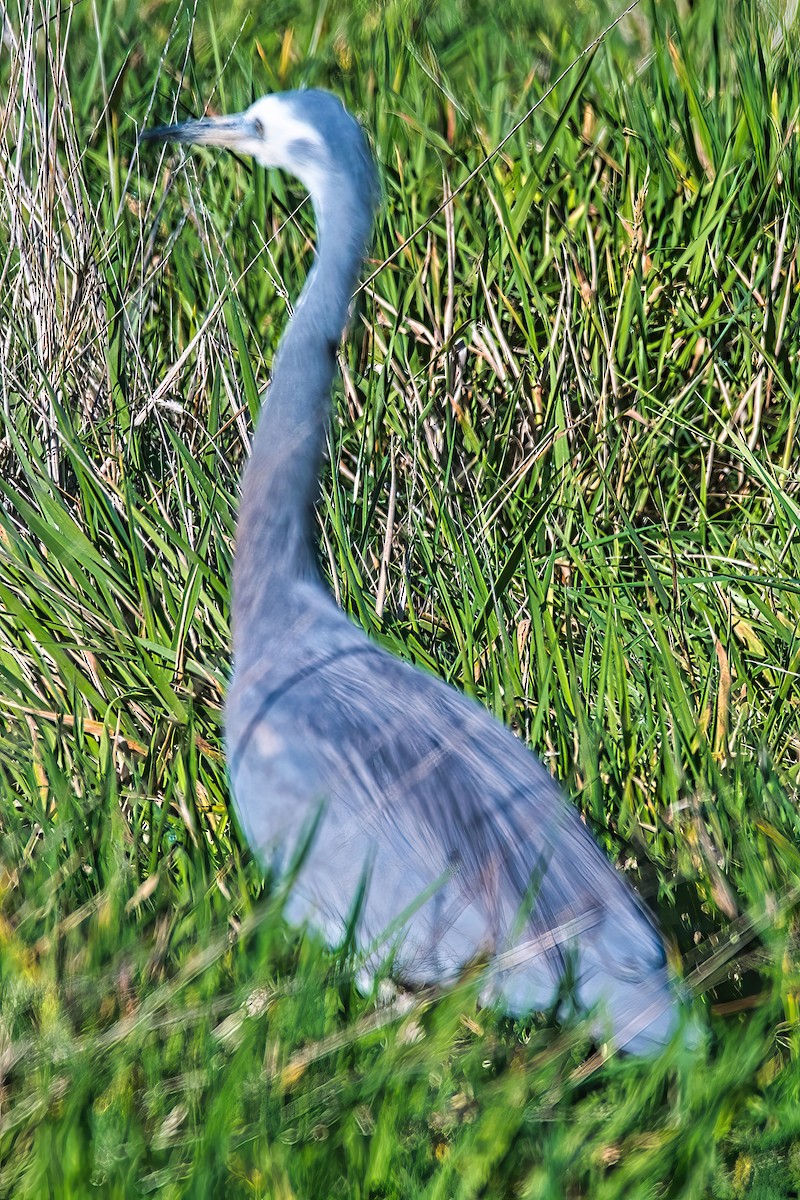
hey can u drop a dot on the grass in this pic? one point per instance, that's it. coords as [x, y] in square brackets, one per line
[564, 477]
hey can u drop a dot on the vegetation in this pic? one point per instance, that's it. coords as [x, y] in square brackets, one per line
[564, 477]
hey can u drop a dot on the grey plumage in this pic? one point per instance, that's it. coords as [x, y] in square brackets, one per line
[444, 815]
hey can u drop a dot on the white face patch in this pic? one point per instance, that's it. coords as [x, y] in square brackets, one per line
[283, 136]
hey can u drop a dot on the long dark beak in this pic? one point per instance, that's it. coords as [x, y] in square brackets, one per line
[230, 132]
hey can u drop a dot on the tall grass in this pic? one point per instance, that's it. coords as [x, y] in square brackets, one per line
[564, 476]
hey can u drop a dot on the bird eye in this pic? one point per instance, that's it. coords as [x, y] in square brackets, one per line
[258, 127]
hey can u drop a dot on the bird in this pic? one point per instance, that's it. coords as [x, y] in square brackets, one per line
[411, 817]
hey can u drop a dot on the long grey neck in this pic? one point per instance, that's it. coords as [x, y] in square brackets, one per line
[275, 537]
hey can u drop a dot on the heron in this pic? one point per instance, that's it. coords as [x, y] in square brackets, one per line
[436, 833]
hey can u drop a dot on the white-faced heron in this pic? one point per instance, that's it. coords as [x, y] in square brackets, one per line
[431, 815]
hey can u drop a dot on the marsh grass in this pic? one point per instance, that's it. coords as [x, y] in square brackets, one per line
[564, 477]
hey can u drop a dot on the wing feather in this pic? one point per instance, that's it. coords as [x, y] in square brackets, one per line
[427, 793]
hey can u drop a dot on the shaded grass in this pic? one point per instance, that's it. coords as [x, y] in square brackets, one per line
[564, 477]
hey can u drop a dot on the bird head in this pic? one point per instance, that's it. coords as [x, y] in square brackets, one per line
[308, 133]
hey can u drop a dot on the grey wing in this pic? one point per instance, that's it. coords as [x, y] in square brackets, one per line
[439, 810]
